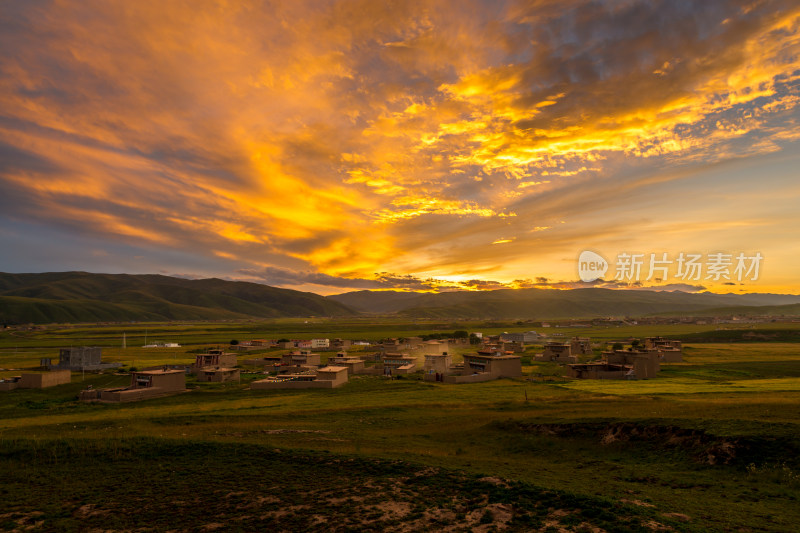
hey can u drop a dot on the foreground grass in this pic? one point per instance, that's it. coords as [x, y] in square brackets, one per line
[152, 485]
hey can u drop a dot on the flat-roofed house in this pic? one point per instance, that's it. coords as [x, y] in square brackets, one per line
[266, 360]
[435, 347]
[214, 358]
[318, 344]
[36, 380]
[394, 364]
[486, 366]
[327, 377]
[437, 363]
[645, 363]
[527, 337]
[598, 371]
[340, 344]
[82, 358]
[41, 380]
[145, 384]
[218, 375]
[671, 350]
[354, 365]
[301, 358]
[581, 345]
[619, 364]
[557, 352]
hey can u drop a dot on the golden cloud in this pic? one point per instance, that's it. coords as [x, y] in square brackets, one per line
[360, 136]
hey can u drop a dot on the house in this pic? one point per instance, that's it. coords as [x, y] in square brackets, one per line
[354, 365]
[36, 380]
[214, 358]
[619, 364]
[82, 358]
[267, 360]
[261, 342]
[394, 345]
[435, 347]
[437, 364]
[218, 375]
[145, 384]
[644, 363]
[527, 337]
[394, 364]
[557, 352]
[327, 377]
[41, 380]
[498, 345]
[671, 350]
[301, 358]
[319, 344]
[581, 346]
[340, 344]
[598, 371]
[513, 346]
[484, 366]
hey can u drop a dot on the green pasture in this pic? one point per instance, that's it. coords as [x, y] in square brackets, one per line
[198, 333]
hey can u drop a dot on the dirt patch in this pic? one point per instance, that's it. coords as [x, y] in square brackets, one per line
[395, 509]
[677, 516]
[89, 510]
[640, 503]
[495, 481]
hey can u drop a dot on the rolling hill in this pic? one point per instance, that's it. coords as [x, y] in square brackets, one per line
[86, 297]
[552, 304]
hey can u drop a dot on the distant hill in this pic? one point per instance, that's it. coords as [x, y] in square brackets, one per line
[379, 302]
[85, 297]
[551, 304]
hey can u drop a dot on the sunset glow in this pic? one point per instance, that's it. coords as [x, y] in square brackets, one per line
[429, 145]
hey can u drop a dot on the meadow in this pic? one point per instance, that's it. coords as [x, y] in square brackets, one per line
[711, 444]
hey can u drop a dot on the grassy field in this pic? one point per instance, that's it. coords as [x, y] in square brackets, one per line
[53, 336]
[711, 444]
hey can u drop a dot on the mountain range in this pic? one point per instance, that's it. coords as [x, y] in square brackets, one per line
[86, 297]
[554, 304]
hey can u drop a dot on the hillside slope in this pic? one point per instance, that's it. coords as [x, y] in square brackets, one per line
[86, 297]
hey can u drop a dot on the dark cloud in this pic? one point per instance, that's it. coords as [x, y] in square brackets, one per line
[383, 280]
[288, 277]
[13, 159]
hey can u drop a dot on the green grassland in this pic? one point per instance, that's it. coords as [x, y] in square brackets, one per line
[711, 444]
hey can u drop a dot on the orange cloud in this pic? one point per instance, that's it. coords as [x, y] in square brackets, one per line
[360, 137]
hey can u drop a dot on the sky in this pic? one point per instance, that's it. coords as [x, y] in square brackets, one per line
[441, 145]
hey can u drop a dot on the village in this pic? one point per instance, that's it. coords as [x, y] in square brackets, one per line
[322, 363]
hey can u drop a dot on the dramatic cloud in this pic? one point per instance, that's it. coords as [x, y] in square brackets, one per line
[313, 144]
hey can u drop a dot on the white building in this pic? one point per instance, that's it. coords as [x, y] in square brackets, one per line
[320, 343]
